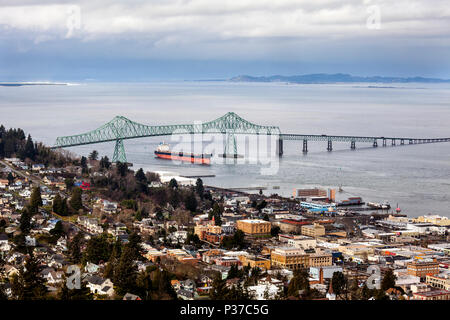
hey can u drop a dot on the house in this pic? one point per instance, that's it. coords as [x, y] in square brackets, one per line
[30, 241]
[99, 285]
[10, 270]
[131, 297]
[38, 167]
[185, 294]
[263, 292]
[52, 276]
[4, 242]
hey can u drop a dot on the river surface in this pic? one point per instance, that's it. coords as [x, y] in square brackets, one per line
[417, 177]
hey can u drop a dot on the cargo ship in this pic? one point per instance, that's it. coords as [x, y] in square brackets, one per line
[353, 201]
[163, 151]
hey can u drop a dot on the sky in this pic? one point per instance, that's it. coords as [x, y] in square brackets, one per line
[147, 40]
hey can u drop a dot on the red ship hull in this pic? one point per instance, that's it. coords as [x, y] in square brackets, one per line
[197, 159]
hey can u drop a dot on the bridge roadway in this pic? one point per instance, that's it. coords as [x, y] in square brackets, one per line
[230, 124]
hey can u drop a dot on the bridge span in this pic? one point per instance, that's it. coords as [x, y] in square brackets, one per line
[230, 124]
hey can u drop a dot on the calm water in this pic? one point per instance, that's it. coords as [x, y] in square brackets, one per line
[416, 177]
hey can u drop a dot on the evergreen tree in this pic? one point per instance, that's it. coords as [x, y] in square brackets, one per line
[10, 178]
[97, 249]
[219, 289]
[74, 248]
[57, 204]
[104, 163]
[35, 200]
[191, 202]
[69, 183]
[388, 280]
[122, 169]
[173, 184]
[144, 285]
[25, 222]
[125, 274]
[32, 285]
[66, 294]
[199, 188]
[113, 259]
[75, 201]
[93, 155]
[134, 243]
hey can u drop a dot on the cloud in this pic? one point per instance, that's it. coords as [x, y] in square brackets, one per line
[238, 29]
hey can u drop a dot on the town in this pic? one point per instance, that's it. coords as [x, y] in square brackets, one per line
[136, 235]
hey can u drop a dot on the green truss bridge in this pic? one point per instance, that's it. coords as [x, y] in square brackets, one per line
[230, 124]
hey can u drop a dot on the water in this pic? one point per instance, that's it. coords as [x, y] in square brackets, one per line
[416, 177]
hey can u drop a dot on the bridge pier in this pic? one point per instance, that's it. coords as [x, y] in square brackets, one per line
[393, 142]
[402, 141]
[410, 141]
[384, 142]
[375, 143]
[119, 152]
[330, 145]
[305, 146]
[280, 147]
[352, 145]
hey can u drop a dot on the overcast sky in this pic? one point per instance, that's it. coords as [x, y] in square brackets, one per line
[201, 39]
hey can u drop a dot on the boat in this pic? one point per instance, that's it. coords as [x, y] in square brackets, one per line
[385, 205]
[163, 151]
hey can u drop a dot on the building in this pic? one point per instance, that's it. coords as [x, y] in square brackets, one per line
[306, 193]
[313, 230]
[320, 259]
[254, 261]
[423, 268]
[302, 242]
[438, 281]
[289, 258]
[432, 295]
[254, 226]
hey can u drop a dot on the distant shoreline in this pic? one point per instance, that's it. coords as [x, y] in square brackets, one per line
[20, 84]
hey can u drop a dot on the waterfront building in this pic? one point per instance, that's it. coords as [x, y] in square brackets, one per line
[423, 268]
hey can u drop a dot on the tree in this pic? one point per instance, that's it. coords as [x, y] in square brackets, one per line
[125, 274]
[57, 231]
[10, 178]
[300, 281]
[35, 200]
[219, 290]
[388, 280]
[191, 202]
[69, 183]
[173, 184]
[83, 162]
[93, 155]
[97, 249]
[29, 150]
[104, 163]
[66, 294]
[199, 188]
[57, 204]
[274, 231]
[25, 222]
[74, 248]
[122, 169]
[31, 284]
[113, 259]
[340, 285]
[134, 243]
[75, 201]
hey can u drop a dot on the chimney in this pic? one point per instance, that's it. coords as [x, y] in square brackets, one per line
[321, 276]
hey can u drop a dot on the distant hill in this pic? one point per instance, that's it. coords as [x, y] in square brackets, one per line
[335, 78]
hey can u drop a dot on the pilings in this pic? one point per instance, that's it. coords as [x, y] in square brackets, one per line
[353, 145]
[305, 146]
[384, 142]
[375, 143]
